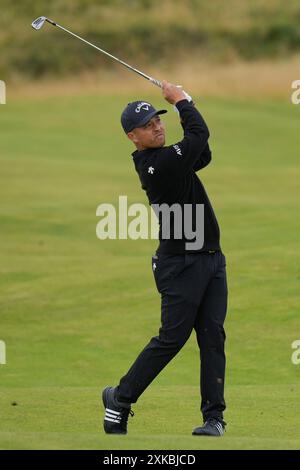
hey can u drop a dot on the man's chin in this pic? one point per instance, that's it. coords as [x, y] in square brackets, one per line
[159, 142]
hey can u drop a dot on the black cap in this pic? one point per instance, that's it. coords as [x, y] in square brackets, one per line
[137, 114]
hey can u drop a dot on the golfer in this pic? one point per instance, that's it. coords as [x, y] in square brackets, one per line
[190, 274]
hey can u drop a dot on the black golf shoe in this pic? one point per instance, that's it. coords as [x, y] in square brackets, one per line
[211, 427]
[116, 413]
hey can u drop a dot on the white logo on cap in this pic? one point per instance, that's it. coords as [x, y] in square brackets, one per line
[142, 105]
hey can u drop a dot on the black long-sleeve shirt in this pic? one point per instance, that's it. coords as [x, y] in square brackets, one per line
[168, 176]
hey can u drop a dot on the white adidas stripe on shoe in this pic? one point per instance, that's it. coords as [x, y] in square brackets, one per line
[112, 420]
[219, 427]
[113, 412]
[112, 416]
[109, 415]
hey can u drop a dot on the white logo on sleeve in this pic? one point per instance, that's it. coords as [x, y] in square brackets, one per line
[151, 170]
[142, 105]
[177, 149]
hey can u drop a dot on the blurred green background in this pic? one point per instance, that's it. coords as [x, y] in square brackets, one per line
[149, 30]
[75, 311]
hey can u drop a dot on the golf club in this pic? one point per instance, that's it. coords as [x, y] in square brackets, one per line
[39, 23]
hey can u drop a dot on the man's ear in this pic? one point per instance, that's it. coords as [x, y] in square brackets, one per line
[131, 136]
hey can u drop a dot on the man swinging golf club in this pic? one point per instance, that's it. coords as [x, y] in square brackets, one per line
[190, 279]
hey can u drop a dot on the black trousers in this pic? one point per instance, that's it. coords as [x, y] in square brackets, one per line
[193, 290]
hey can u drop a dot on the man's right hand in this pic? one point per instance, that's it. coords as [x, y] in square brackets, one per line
[172, 93]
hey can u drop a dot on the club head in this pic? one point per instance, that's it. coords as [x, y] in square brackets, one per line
[38, 23]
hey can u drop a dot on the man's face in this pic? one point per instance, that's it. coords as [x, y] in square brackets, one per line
[151, 135]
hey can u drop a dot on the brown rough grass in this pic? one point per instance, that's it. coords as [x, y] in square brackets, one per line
[240, 79]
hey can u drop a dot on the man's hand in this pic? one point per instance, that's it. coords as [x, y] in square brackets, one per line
[172, 93]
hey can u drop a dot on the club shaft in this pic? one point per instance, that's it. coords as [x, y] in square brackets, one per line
[152, 80]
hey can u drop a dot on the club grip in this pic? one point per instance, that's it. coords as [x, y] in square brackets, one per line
[156, 82]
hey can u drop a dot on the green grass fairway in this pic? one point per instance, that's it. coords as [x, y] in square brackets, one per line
[76, 311]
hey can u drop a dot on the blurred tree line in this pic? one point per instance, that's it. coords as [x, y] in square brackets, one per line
[143, 32]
